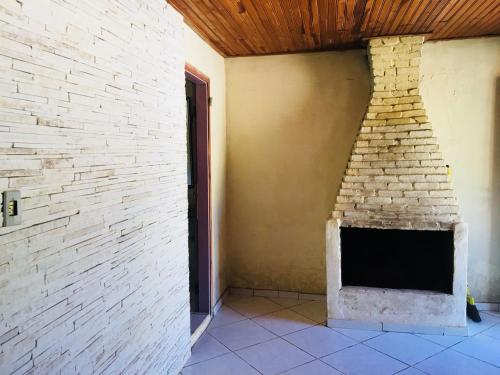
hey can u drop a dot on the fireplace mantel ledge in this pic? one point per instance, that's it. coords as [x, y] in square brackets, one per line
[398, 224]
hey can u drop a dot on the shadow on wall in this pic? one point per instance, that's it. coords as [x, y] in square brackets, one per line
[494, 262]
[292, 121]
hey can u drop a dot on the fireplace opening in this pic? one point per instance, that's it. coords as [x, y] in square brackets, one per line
[397, 259]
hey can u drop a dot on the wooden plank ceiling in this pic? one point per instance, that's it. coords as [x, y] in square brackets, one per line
[259, 27]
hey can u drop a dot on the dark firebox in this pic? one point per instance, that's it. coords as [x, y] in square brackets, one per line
[397, 259]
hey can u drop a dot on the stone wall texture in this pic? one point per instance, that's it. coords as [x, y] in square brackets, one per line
[92, 132]
[396, 175]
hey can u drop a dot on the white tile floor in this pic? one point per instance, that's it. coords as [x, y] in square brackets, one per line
[270, 335]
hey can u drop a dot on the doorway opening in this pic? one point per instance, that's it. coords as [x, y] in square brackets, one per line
[198, 172]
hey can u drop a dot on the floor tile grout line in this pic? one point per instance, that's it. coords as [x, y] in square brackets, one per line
[456, 351]
[243, 359]
[293, 368]
[273, 312]
[441, 351]
[328, 364]
[217, 356]
[288, 333]
[249, 346]
[299, 330]
[493, 316]
[400, 371]
[282, 308]
[306, 363]
[314, 358]
[301, 301]
[278, 337]
[326, 317]
[256, 316]
[206, 360]
[223, 325]
[447, 347]
[251, 318]
[343, 334]
[496, 324]
[492, 337]
[360, 343]
[411, 365]
[423, 372]
[465, 339]
[326, 355]
[478, 359]
[425, 359]
[480, 332]
[230, 350]
[388, 355]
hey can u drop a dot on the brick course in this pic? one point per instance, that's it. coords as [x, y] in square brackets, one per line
[400, 176]
[92, 131]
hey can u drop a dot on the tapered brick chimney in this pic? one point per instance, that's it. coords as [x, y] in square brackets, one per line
[396, 175]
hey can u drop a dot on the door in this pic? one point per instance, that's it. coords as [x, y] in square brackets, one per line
[198, 165]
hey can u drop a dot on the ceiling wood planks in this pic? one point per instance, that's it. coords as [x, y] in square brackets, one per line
[260, 27]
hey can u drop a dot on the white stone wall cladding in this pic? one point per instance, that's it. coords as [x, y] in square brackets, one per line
[396, 176]
[92, 132]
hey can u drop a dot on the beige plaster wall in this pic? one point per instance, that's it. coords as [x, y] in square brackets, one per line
[461, 91]
[208, 61]
[292, 120]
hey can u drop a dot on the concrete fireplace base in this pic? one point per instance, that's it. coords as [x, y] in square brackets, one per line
[393, 309]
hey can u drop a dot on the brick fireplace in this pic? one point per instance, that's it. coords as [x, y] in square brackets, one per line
[396, 246]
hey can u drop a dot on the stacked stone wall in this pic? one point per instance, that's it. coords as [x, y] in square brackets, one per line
[92, 132]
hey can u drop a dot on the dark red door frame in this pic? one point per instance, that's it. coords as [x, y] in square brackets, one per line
[203, 201]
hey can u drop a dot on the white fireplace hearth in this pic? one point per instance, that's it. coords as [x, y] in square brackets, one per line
[409, 240]
[403, 310]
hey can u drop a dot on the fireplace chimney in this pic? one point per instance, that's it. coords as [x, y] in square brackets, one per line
[396, 175]
[396, 246]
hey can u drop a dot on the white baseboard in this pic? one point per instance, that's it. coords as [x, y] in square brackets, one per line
[195, 336]
[218, 304]
[276, 293]
[396, 327]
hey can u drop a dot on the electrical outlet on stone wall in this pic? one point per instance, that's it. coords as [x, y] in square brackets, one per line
[11, 208]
